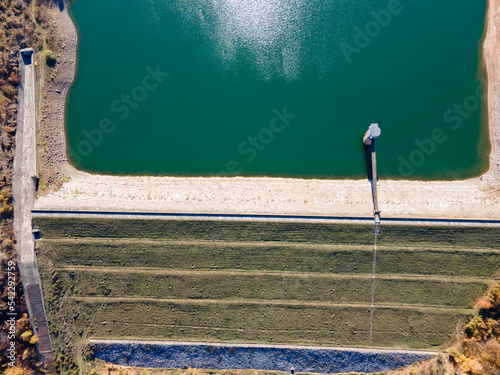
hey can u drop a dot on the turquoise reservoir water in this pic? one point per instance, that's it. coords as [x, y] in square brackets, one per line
[278, 87]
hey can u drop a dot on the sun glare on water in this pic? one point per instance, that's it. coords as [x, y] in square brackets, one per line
[273, 37]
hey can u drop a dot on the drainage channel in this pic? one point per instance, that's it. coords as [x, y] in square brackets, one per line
[373, 285]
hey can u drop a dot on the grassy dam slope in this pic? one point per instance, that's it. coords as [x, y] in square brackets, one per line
[262, 282]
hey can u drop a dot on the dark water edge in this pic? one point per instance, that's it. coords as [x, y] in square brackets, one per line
[251, 357]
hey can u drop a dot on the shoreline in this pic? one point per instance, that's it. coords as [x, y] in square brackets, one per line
[477, 198]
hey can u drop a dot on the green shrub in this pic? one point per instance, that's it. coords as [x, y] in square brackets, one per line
[50, 58]
[487, 324]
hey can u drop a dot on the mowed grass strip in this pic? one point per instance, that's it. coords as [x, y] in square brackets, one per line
[428, 292]
[339, 259]
[459, 262]
[207, 230]
[423, 235]
[271, 286]
[208, 255]
[218, 285]
[204, 230]
[413, 328]
[416, 328]
[229, 321]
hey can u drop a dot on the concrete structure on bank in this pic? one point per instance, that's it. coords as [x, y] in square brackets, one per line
[24, 184]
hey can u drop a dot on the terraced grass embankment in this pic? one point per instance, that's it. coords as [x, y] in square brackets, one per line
[268, 282]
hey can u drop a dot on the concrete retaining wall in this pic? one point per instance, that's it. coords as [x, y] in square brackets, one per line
[24, 189]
